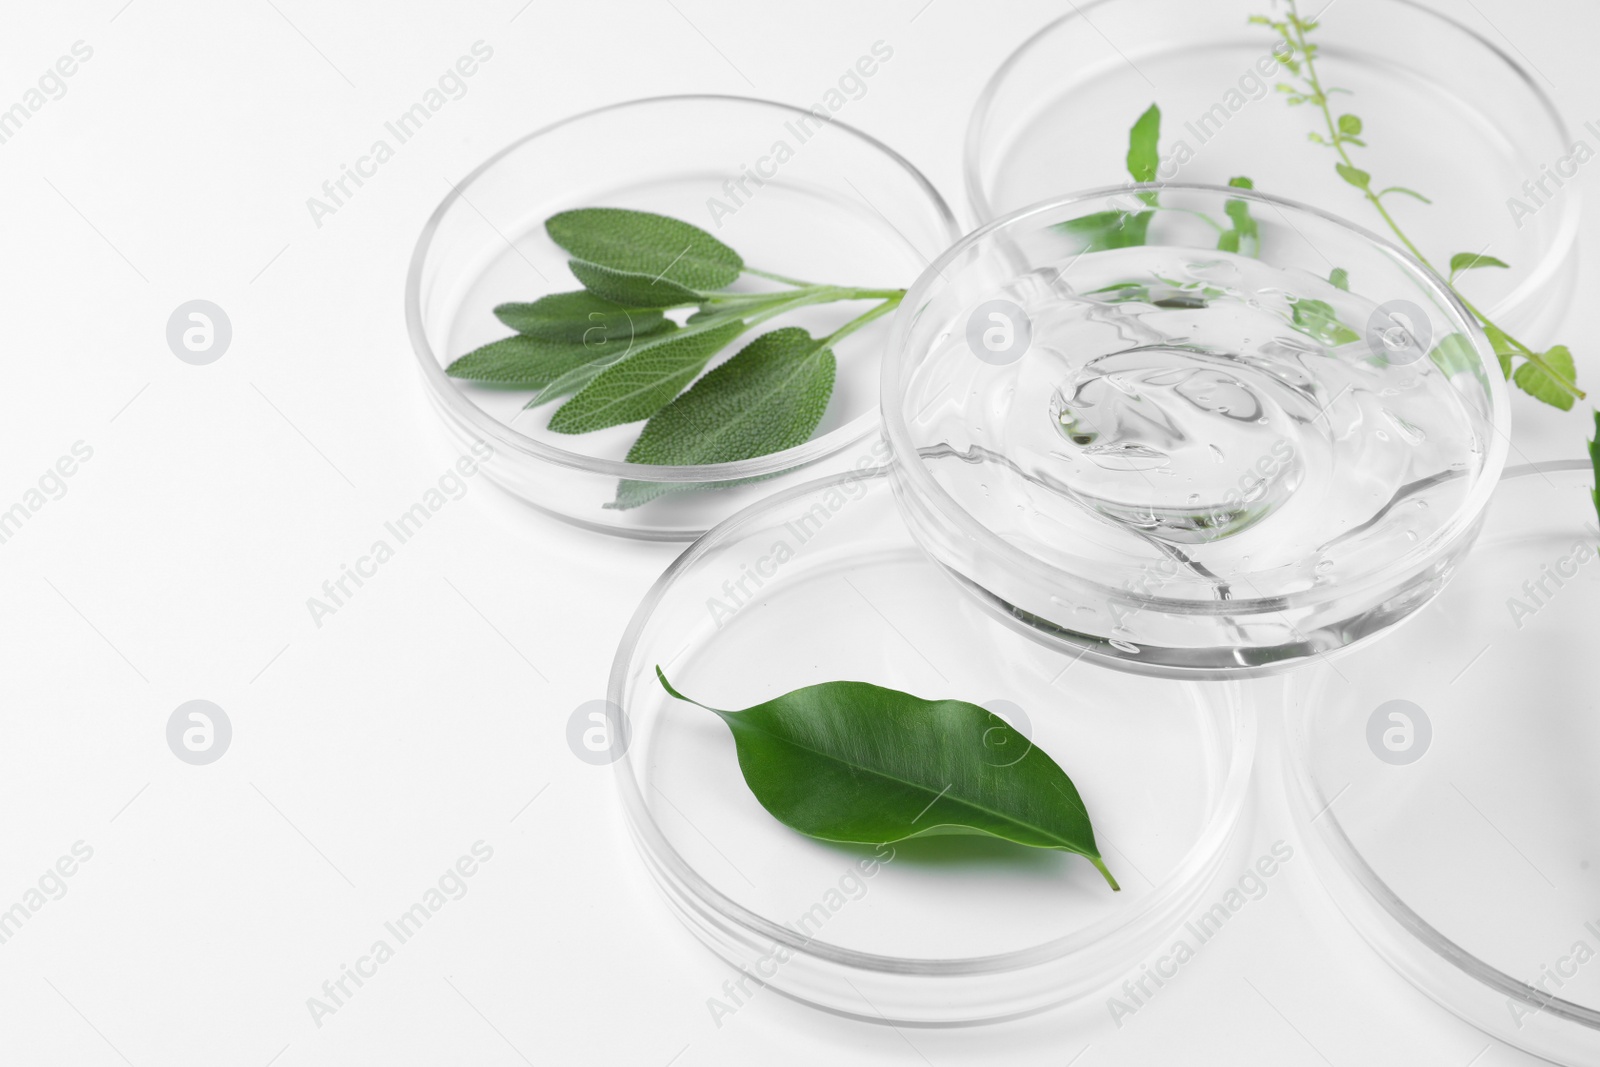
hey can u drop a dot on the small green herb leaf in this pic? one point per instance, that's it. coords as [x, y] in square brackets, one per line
[1144, 145]
[1245, 236]
[1317, 319]
[1354, 175]
[1349, 126]
[850, 761]
[1594, 459]
[1109, 229]
[528, 362]
[1537, 383]
[1504, 349]
[1472, 261]
[1456, 353]
[647, 379]
[630, 289]
[1339, 278]
[769, 397]
[579, 316]
[639, 242]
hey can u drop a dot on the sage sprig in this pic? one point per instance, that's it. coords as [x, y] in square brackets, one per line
[614, 354]
[855, 762]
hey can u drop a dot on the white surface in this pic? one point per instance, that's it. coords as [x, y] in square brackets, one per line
[372, 752]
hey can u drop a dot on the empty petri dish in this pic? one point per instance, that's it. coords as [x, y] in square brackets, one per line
[823, 582]
[795, 192]
[1446, 776]
[1444, 111]
[1184, 458]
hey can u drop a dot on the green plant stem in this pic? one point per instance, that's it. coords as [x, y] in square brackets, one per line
[770, 276]
[863, 319]
[1320, 98]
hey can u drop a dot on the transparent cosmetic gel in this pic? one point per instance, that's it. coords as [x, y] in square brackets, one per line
[1185, 458]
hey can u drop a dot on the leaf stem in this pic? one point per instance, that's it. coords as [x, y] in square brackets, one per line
[861, 320]
[770, 276]
[1337, 140]
[1100, 865]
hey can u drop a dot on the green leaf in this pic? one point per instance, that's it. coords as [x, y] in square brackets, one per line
[1472, 261]
[639, 242]
[528, 362]
[1144, 145]
[1349, 126]
[769, 397]
[1109, 229]
[1245, 235]
[854, 762]
[1456, 353]
[630, 289]
[1354, 175]
[1594, 459]
[1533, 380]
[646, 380]
[1339, 278]
[1317, 319]
[1241, 182]
[1504, 349]
[579, 316]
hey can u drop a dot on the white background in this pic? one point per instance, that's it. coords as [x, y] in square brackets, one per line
[372, 752]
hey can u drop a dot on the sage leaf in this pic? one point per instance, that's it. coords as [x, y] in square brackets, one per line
[1532, 379]
[630, 289]
[1144, 139]
[639, 242]
[768, 397]
[582, 374]
[522, 362]
[579, 316]
[854, 762]
[1472, 261]
[646, 380]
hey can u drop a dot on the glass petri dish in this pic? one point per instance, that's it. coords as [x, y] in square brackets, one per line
[1445, 776]
[834, 205]
[1183, 460]
[824, 582]
[1431, 92]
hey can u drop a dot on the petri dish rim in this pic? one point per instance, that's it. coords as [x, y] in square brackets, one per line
[1225, 816]
[1462, 525]
[458, 407]
[1550, 264]
[1351, 862]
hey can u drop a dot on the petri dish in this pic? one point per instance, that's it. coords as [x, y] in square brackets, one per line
[824, 582]
[1184, 460]
[1444, 776]
[833, 204]
[1432, 93]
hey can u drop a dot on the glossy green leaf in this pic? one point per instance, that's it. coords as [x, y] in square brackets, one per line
[578, 316]
[1594, 460]
[630, 289]
[647, 379]
[854, 762]
[529, 362]
[1144, 145]
[1456, 353]
[768, 397]
[1109, 229]
[639, 242]
[1537, 383]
